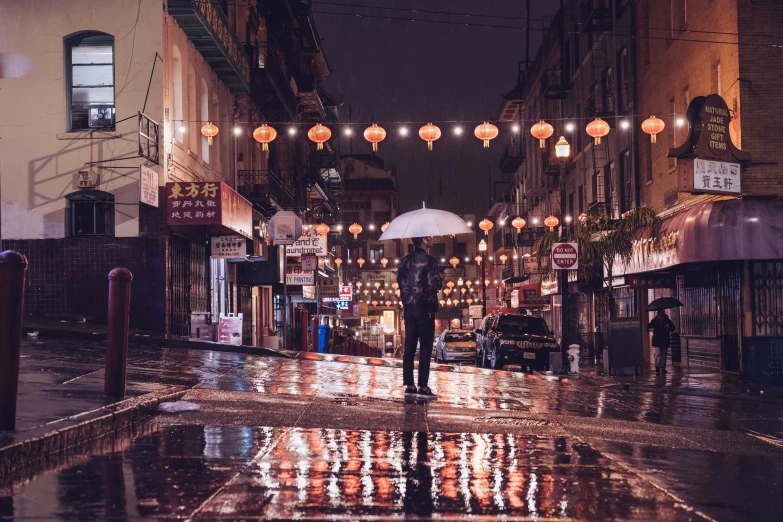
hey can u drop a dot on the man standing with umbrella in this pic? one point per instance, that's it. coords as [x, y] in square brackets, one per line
[420, 280]
[662, 328]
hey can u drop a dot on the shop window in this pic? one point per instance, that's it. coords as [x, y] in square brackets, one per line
[624, 302]
[698, 315]
[89, 213]
[89, 59]
[376, 253]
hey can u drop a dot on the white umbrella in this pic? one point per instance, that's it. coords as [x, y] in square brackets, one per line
[425, 222]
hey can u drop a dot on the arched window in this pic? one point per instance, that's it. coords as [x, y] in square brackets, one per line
[89, 213]
[178, 113]
[204, 117]
[89, 68]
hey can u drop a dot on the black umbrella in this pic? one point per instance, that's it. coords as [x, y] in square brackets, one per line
[664, 303]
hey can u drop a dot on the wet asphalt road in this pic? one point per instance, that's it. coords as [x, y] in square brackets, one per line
[298, 438]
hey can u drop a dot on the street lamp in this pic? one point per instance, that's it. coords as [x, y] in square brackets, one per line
[483, 248]
[563, 151]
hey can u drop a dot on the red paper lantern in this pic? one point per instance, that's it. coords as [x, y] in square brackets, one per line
[485, 132]
[518, 223]
[384, 262]
[551, 222]
[361, 262]
[374, 134]
[322, 229]
[264, 135]
[209, 131]
[355, 229]
[597, 129]
[454, 261]
[385, 226]
[541, 131]
[429, 133]
[319, 134]
[486, 225]
[653, 126]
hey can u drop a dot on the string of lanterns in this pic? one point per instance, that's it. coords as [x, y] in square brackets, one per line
[486, 131]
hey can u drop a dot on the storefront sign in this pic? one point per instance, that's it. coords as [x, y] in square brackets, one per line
[530, 265]
[514, 298]
[309, 242]
[284, 228]
[528, 236]
[148, 186]
[230, 330]
[308, 292]
[364, 310]
[294, 275]
[651, 281]
[708, 161]
[476, 311]
[346, 293]
[565, 256]
[549, 286]
[534, 297]
[227, 247]
[309, 262]
[351, 312]
[329, 287]
[214, 205]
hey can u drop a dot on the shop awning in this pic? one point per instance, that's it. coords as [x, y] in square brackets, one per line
[728, 230]
[212, 205]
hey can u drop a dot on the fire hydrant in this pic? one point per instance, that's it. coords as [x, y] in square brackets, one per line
[573, 357]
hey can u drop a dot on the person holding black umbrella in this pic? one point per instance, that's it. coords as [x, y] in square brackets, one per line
[662, 328]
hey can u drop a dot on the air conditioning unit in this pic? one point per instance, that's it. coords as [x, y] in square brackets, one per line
[101, 117]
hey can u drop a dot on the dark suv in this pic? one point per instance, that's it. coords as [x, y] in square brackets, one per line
[514, 339]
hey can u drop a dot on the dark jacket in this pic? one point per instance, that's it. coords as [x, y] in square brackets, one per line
[662, 327]
[419, 279]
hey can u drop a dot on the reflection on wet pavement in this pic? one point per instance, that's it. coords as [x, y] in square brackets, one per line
[295, 473]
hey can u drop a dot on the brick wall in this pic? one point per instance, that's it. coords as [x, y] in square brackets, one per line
[681, 70]
[68, 278]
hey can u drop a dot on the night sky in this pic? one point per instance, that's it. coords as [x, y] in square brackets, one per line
[418, 71]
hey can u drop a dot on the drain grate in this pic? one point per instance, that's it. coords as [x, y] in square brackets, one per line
[513, 421]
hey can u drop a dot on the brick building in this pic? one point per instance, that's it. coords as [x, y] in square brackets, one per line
[116, 86]
[721, 251]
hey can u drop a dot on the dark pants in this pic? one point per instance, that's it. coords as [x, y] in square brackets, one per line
[419, 328]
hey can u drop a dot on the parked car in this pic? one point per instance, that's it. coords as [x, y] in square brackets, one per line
[515, 339]
[455, 345]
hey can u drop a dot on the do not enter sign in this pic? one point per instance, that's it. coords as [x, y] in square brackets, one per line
[565, 256]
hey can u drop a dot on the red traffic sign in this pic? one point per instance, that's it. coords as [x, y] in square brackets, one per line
[565, 256]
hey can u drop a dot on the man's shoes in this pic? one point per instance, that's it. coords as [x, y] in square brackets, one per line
[410, 391]
[426, 394]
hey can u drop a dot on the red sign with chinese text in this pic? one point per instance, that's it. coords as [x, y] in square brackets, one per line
[208, 203]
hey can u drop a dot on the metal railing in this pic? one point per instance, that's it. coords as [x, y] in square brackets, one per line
[264, 184]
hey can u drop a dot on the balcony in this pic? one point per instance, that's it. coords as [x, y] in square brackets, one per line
[271, 83]
[208, 29]
[512, 158]
[265, 190]
[553, 85]
[596, 15]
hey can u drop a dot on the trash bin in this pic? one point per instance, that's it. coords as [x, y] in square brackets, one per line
[323, 332]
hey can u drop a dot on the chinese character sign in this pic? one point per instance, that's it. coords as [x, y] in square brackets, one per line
[716, 176]
[228, 247]
[294, 275]
[193, 203]
[148, 186]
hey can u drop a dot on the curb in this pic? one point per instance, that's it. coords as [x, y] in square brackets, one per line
[693, 393]
[136, 338]
[32, 455]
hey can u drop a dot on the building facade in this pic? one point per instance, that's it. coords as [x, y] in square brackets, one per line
[128, 90]
[709, 70]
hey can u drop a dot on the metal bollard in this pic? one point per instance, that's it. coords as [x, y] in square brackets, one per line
[117, 332]
[13, 267]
